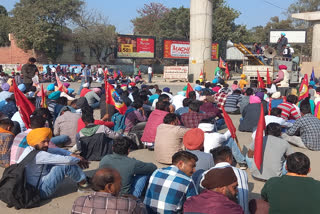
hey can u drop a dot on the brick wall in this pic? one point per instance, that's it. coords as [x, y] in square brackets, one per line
[13, 54]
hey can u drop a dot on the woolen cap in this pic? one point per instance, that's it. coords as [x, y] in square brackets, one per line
[193, 139]
[218, 177]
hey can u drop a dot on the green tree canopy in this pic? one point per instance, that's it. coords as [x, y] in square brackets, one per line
[4, 27]
[41, 24]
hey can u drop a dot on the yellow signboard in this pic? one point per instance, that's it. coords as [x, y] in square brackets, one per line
[128, 48]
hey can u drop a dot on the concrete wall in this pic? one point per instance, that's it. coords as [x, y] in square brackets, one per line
[306, 68]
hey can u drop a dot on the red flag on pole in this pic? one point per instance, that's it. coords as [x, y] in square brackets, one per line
[189, 88]
[258, 141]
[268, 77]
[115, 74]
[25, 107]
[260, 80]
[304, 88]
[222, 63]
[61, 87]
[110, 92]
[43, 98]
[227, 71]
[229, 123]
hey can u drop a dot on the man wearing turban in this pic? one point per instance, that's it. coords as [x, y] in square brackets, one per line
[52, 165]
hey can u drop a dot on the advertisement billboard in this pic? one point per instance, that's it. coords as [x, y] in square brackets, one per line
[180, 49]
[293, 36]
[129, 46]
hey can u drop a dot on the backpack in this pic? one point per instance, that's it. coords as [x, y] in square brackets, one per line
[14, 189]
[119, 120]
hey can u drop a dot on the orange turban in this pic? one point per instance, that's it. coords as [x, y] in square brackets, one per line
[36, 136]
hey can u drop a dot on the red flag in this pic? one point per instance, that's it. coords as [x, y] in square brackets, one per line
[304, 89]
[115, 74]
[258, 141]
[25, 107]
[227, 71]
[121, 74]
[201, 75]
[61, 87]
[43, 98]
[268, 77]
[229, 123]
[260, 80]
[222, 64]
[269, 106]
[111, 94]
[189, 88]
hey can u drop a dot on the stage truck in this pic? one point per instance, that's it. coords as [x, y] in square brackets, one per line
[262, 62]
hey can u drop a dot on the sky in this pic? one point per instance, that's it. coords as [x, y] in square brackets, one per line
[120, 12]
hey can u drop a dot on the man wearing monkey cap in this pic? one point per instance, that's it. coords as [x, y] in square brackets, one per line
[52, 165]
[219, 196]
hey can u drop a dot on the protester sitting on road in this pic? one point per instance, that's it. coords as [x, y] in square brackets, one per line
[213, 139]
[66, 124]
[107, 183]
[185, 109]
[275, 150]
[94, 141]
[155, 119]
[222, 157]
[6, 140]
[219, 196]
[52, 164]
[221, 96]
[232, 102]
[291, 193]
[134, 173]
[170, 187]
[134, 114]
[168, 139]
[85, 89]
[193, 141]
[289, 111]
[250, 114]
[193, 117]
[93, 97]
[245, 99]
[307, 127]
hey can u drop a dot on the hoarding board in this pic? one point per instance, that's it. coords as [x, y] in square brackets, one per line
[176, 72]
[129, 46]
[180, 49]
[293, 36]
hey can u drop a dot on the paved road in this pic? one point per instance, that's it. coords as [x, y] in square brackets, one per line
[67, 193]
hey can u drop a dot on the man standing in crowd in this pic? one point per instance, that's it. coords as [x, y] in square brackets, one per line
[220, 194]
[107, 184]
[29, 70]
[85, 76]
[170, 187]
[150, 74]
[134, 173]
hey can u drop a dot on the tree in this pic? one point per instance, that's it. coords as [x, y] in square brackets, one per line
[4, 27]
[41, 25]
[147, 23]
[175, 24]
[95, 32]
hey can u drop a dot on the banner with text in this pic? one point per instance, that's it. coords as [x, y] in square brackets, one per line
[180, 49]
[176, 72]
[135, 46]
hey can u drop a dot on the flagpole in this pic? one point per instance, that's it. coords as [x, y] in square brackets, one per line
[237, 141]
